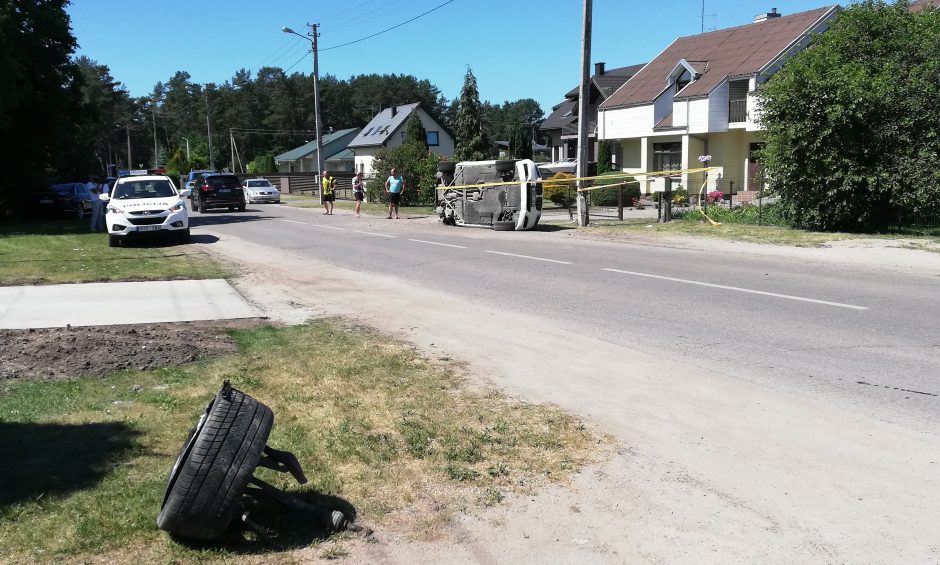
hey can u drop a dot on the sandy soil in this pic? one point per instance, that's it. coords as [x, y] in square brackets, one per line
[709, 469]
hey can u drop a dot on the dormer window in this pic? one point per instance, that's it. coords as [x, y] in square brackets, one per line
[683, 80]
[686, 72]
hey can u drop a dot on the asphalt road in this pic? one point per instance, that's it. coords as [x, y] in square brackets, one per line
[867, 337]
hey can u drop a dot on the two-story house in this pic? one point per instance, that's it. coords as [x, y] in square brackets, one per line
[387, 130]
[698, 97]
[562, 124]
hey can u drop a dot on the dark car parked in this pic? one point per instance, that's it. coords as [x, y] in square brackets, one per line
[71, 198]
[217, 190]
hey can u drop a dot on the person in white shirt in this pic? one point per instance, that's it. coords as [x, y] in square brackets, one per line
[97, 217]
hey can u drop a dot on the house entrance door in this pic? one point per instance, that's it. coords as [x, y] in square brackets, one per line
[755, 170]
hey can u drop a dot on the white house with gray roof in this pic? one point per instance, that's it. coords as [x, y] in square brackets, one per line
[337, 158]
[387, 130]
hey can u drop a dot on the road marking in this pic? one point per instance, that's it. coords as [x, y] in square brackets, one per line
[328, 227]
[436, 243]
[373, 233]
[530, 257]
[738, 289]
[294, 222]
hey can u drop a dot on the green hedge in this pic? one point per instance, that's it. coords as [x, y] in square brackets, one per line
[771, 215]
[608, 196]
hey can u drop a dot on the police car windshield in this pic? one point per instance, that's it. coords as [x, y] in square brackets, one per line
[143, 189]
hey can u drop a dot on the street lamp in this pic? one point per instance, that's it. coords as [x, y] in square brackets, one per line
[316, 97]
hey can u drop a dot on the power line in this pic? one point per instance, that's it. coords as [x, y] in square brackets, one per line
[297, 61]
[439, 6]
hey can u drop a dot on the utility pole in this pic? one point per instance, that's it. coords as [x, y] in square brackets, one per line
[231, 141]
[583, 103]
[316, 96]
[316, 106]
[209, 131]
[129, 160]
[187, 148]
[153, 110]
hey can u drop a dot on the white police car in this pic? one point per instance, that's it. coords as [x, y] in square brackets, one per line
[146, 205]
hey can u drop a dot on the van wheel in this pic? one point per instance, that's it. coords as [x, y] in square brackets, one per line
[504, 226]
[213, 469]
[505, 166]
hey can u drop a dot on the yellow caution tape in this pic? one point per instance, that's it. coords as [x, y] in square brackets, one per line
[578, 179]
[701, 194]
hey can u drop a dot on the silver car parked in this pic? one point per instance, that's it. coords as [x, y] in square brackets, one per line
[260, 190]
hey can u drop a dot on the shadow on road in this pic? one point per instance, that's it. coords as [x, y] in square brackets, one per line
[223, 218]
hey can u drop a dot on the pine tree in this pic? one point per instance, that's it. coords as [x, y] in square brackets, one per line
[472, 142]
[519, 144]
[603, 158]
[414, 130]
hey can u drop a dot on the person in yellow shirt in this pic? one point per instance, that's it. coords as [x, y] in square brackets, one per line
[328, 183]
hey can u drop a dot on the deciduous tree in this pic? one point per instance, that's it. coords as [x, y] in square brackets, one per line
[852, 139]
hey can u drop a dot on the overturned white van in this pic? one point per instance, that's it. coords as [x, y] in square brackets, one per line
[504, 195]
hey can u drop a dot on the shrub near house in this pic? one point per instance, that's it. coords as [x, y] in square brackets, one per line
[852, 122]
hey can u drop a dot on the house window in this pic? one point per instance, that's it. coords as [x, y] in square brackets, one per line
[684, 79]
[737, 101]
[433, 138]
[667, 156]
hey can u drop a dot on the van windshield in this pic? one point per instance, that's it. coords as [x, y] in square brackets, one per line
[144, 189]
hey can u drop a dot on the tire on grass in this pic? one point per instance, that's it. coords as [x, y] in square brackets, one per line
[213, 469]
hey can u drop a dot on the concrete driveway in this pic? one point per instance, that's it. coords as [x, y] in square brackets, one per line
[96, 304]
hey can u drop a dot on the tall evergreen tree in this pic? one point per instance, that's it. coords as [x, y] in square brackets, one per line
[414, 130]
[472, 142]
[603, 158]
[40, 103]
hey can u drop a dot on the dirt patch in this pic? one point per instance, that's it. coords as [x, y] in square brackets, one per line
[70, 352]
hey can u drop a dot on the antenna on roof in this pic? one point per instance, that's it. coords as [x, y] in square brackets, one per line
[704, 15]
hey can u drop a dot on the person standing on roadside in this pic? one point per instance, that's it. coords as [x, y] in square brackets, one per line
[328, 183]
[359, 191]
[97, 210]
[394, 186]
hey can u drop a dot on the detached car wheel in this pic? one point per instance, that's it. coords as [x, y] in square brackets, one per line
[214, 467]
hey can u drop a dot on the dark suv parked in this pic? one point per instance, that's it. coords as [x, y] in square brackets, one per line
[218, 190]
[70, 198]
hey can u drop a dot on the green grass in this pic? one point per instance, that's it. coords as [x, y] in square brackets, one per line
[371, 208]
[740, 225]
[63, 251]
[84, 462]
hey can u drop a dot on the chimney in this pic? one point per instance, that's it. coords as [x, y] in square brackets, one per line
[768, 16]
[599, 68]
[394, 110]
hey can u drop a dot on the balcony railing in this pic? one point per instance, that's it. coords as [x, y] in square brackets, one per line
[737, 111]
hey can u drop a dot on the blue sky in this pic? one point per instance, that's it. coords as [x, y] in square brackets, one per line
[516, 48]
